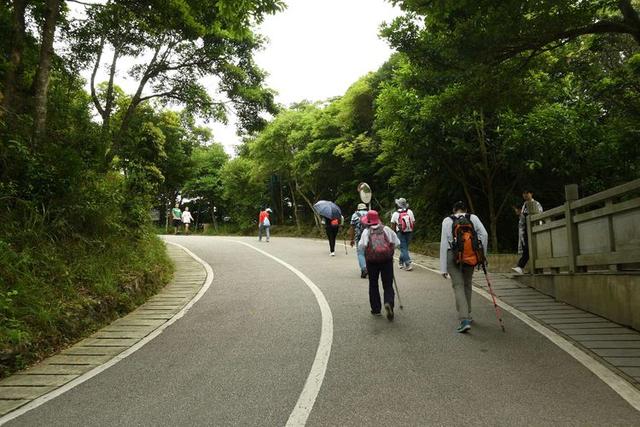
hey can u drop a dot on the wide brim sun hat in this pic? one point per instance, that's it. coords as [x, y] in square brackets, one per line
[402, 203]
[371, 218]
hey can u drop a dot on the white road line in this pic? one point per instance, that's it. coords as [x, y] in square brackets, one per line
[312, 386]
[610, 378]
[98, 369]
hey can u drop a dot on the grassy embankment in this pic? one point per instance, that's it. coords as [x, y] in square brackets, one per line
[53, 292]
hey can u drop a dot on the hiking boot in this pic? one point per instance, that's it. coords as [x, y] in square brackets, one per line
[389, 310]
[464, 326]
[408, 267]
[518, 270]
[363, 273]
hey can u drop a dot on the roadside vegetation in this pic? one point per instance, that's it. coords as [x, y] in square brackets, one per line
[82, 163]
[480, 100]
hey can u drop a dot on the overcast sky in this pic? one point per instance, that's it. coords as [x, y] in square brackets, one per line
[315, 50]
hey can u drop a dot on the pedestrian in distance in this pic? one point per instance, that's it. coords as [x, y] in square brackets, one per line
[176, 218]
[402, 222]
[332, 226]
[186, 219]
[523, 236]
[462, 247]
[264, 224]
[355, 232]
[378, 242]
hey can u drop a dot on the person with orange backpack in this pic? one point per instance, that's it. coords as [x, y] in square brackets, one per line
[378, 242]
[463, 244]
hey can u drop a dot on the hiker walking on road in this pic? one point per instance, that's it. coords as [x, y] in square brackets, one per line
[332, 226]
[355, 232]
[462, 247]
[176, 215]
[264, 224]
[402, 221]
[523, 237]
[186, 219]
[378, 242]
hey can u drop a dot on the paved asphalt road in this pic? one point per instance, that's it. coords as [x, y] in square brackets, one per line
[242, 354]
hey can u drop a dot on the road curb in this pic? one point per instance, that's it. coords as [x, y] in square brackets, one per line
[55, 375]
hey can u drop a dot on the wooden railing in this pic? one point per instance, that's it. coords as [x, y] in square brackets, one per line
[599, 232]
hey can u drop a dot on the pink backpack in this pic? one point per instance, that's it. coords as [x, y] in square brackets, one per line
[379, 249]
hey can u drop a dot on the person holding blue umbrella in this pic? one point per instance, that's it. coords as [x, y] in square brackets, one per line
[332, 219]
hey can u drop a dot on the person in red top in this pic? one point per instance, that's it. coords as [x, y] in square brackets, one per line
[264, 224]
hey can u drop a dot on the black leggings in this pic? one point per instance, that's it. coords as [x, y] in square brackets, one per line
[332, 232]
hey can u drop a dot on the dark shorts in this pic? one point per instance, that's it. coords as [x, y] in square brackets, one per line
[177, 223]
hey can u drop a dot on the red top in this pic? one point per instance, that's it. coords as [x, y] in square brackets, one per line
[263, 215]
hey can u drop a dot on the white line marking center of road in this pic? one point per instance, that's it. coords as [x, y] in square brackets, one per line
[312, 386]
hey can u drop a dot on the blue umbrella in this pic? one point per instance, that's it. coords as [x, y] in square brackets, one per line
[327, 209]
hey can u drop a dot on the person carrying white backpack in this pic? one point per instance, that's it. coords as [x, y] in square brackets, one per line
[403, 222]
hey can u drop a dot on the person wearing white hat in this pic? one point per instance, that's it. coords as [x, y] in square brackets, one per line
[355, 231]
[403, 221]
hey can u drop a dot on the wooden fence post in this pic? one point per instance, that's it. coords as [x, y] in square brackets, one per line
[571, 195]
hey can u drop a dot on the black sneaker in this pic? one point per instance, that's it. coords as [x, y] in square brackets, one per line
[363, 273]
[376, 313]
[389, 311]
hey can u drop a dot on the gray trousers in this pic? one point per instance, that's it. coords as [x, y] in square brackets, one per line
[461, 280]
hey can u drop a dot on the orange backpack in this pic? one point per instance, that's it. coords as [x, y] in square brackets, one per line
[466, 246]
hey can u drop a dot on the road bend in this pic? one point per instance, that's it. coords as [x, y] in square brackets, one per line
[244, 353]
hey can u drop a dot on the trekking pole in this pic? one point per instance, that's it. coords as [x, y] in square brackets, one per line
[493, 297]
[398, 292]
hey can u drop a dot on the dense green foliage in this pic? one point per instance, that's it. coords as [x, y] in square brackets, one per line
[76, 246]
[481, 100]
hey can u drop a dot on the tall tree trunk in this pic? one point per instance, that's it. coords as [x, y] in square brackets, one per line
[295, 206]
[108, 106]
[487, 178]
[306, 199]
[52, 12]
[213, 217]
[11, 101]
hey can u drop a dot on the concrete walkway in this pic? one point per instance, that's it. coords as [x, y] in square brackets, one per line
[616, 346]
[109, 343]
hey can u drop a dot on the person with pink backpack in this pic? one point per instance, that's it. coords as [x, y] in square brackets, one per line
[403, 221]
[378, 242]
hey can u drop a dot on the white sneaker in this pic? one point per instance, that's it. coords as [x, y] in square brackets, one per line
[518, 270]
[408, 267]
[333, 254]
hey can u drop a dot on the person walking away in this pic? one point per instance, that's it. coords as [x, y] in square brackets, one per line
[523, 236]
[462, 247]
[403, 221]
[332, 226]
[355, 232]
[186, 219]
[176, 215]
[378, 243]
[264, 224]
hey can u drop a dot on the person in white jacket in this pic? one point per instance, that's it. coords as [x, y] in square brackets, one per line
[461, 274]
[378, 242]
[186, 219]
